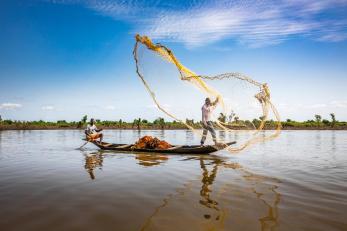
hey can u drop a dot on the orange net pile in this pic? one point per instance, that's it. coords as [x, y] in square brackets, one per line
[149, 142]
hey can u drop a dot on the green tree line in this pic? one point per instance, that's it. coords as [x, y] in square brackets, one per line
[233, 122]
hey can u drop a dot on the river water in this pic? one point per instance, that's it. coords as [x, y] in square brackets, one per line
[295, 182]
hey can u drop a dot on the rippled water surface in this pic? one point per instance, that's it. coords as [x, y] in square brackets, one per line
[296, 182]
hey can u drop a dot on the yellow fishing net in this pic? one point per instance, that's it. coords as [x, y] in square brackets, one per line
[261, 95]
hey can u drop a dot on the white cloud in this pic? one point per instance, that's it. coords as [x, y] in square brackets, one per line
[165, 106]
[254, 23]
[318, 105]
[47, 108]
[10, 106]
[151, 106]
[110, 107]
[335, 104]
[339, 104]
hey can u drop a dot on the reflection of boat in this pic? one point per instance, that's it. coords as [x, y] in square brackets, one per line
[209, 202]
[176, 149]
[150, 159]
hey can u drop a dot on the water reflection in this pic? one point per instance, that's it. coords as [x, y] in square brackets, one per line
[93, 161]
[207, 181]
[1, 139]
[270, 221]
[222, 136]
[318, 139]
[189, 136]
[333, 141]
[213, 199]
[148, 160]
[265, 189]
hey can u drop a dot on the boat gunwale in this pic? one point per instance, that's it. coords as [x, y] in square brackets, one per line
[181, 149]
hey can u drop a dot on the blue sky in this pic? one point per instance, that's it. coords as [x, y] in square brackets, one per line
[65, 58]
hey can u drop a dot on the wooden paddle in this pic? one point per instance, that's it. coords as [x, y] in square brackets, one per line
[83, 145]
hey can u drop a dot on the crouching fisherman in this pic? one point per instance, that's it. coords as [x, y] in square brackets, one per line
[92, 132]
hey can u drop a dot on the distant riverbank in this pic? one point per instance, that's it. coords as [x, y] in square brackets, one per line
[161, 124]
[9, 127]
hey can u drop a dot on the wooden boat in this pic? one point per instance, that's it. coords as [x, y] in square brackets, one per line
[175, 149]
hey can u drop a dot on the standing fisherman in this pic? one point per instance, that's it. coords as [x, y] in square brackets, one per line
[207, 110]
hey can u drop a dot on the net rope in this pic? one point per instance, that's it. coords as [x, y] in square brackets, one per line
[199, 81]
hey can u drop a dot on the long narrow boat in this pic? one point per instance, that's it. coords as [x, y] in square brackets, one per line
[175, 149]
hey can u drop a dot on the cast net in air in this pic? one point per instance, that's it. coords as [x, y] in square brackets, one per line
[244, 104]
